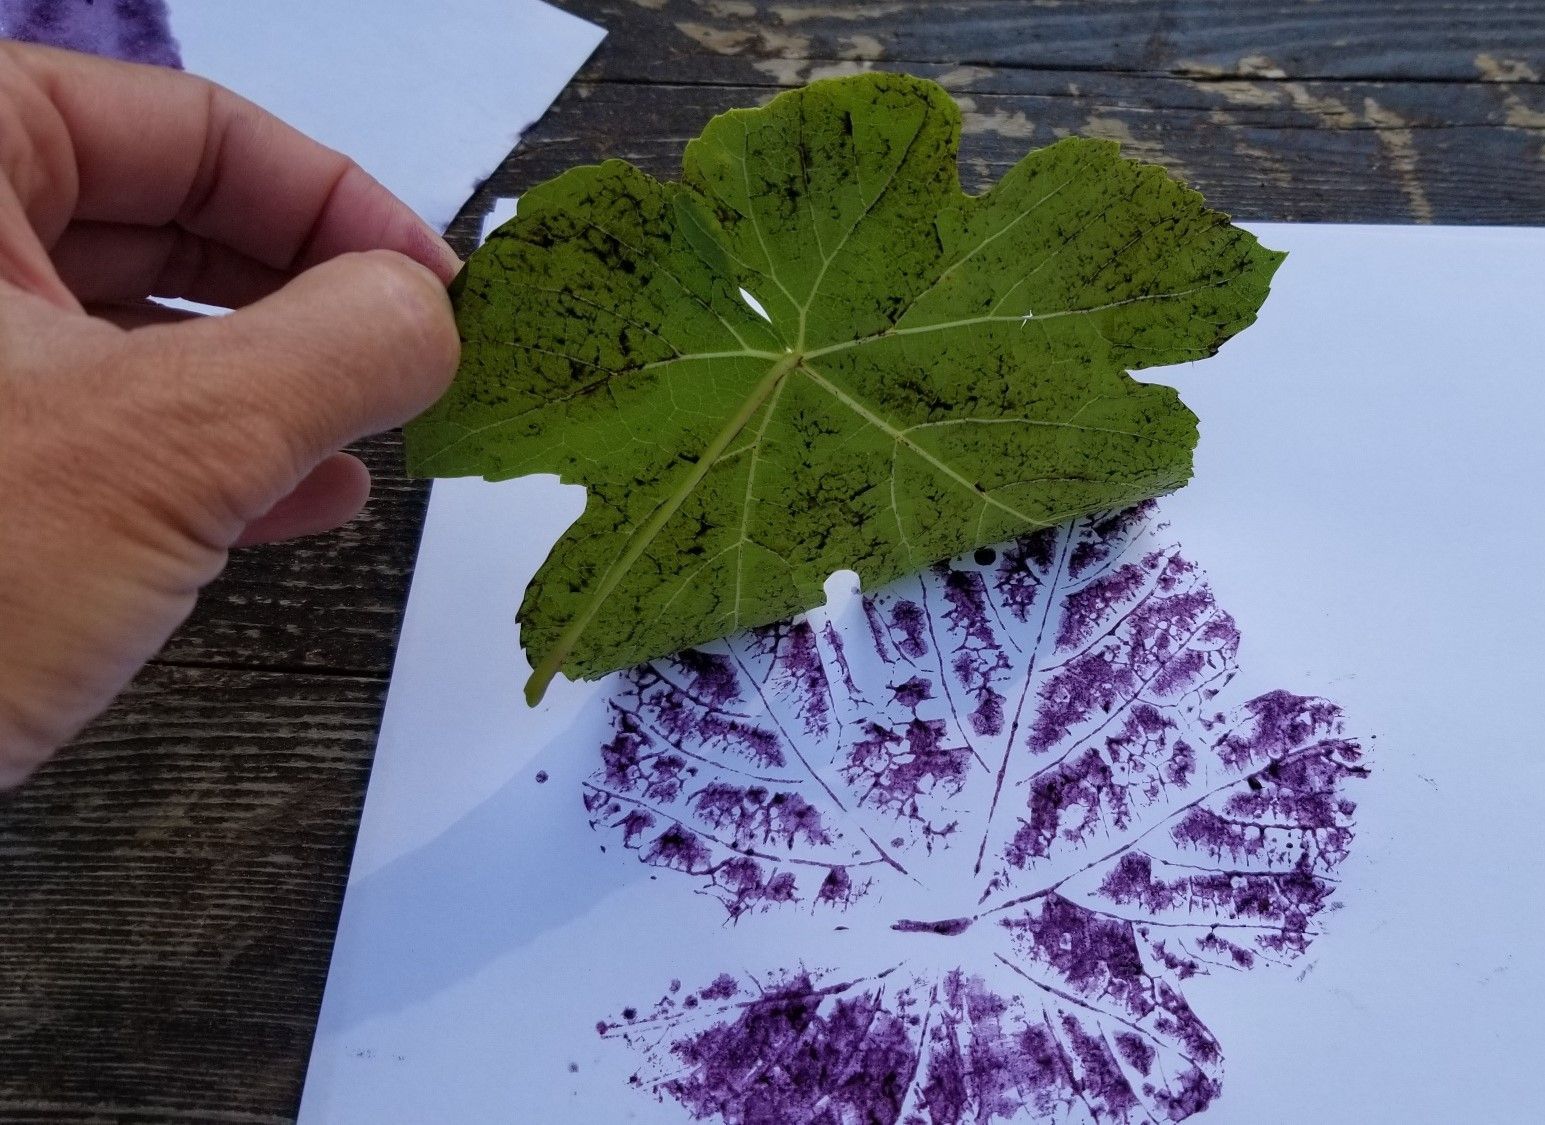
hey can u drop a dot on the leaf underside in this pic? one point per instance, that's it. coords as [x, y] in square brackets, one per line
[934, 372]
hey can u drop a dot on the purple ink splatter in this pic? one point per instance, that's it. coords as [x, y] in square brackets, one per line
[1030, 740]
[132, 30]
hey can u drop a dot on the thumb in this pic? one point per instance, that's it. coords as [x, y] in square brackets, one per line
[351, 347]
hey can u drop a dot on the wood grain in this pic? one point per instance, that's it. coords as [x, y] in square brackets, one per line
[171, 884]
[1309, 151]
[1371, 40]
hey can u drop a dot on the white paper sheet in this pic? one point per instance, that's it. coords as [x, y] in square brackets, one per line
[500, 213]
[1366, 507]
[427, 97]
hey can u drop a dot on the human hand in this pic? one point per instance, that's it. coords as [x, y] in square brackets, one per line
[134, 453]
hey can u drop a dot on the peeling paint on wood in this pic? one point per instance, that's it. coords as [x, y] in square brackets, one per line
[1395, 135]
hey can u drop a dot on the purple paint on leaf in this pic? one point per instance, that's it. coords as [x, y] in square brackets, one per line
[1011, 782]
[132, 30]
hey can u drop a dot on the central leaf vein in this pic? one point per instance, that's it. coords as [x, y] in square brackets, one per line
[638, 542]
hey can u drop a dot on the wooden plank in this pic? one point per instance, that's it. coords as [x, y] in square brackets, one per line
[737, 40]
[171, 885]
[1305, 151]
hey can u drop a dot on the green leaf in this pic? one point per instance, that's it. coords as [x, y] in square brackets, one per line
[936, 371]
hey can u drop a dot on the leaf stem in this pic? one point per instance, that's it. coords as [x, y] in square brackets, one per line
[549, 666]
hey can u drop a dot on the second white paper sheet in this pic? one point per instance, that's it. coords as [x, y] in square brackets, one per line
[427, 97]
[1365, 509]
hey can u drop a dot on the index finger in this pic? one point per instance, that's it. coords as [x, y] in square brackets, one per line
[155, 147]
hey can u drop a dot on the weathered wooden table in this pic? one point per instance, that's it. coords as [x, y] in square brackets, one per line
[169, 887]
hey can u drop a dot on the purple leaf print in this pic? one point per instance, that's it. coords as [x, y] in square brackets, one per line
[1008, 781]
[133, 30]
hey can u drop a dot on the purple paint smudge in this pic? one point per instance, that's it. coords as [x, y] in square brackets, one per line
[1030, 737]
[946, 927]
[132, 30]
